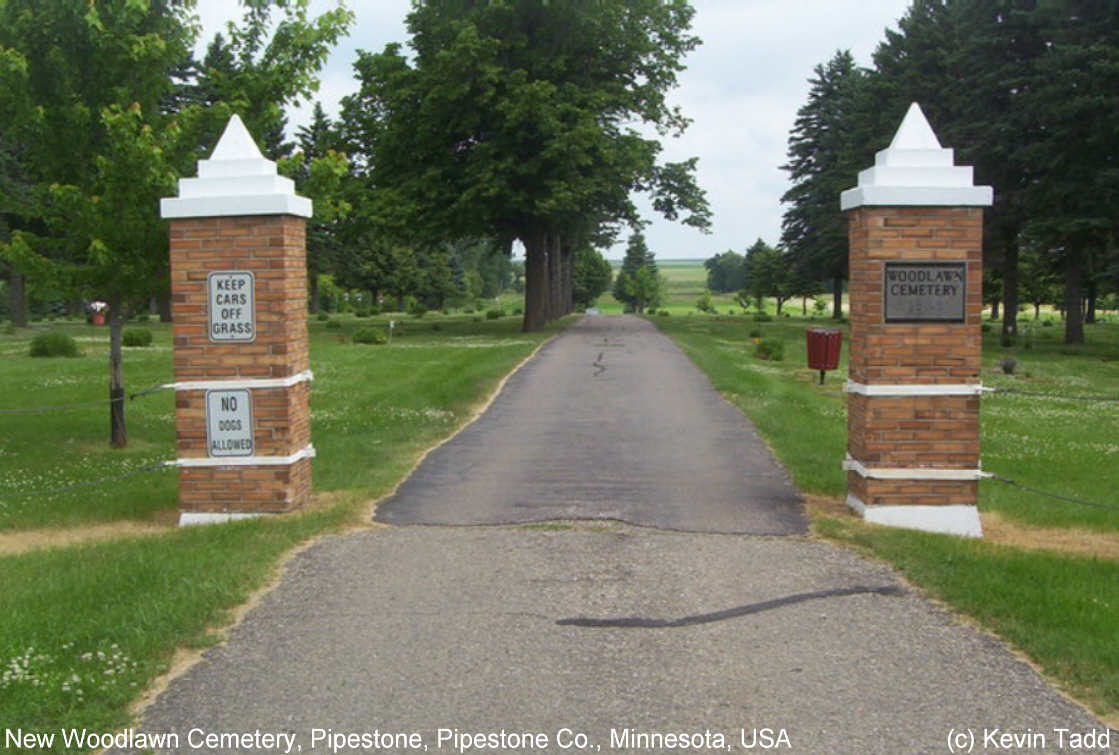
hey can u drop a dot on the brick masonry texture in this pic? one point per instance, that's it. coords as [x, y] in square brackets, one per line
[913, 431]
[272, 247]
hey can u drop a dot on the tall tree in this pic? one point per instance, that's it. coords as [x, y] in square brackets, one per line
[514, 120]
[80, 119]
[1075, 194]
[825, 154]
[320, 172]
[591, 276]
[638, 257]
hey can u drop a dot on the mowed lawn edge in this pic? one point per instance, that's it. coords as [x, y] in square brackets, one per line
[89, 627]
[1059, 610]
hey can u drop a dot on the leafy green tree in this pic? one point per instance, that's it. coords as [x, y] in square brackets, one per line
[84, 150]
[637, 258]
[726, 272]
[514, 120]
[767, 274]
[644, 289]
[320, 173]
[592, 275]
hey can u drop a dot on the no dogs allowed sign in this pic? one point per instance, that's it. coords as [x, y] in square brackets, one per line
[232, 305]
[229, 422]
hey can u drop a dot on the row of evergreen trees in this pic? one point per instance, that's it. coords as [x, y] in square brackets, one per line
[1025, 91]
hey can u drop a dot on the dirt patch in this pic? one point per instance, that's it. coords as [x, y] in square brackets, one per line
[14, 543]
[821, 505]
[1073, 541]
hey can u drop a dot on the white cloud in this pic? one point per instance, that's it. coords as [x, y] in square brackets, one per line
[742, 89]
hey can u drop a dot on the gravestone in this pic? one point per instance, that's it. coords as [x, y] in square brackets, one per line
[916, 276]
[239, 308]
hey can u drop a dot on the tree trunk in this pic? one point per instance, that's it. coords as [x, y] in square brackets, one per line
[555, 276]
[837, 299]
[313, 279]
[163, 305]
[1090, 313]
[17, 299]
[567, 265]
[1037, 310]
[995, 308]
[118, 435]
[1074, 321]
[1010, 290]
[804, 306]
[536, 281]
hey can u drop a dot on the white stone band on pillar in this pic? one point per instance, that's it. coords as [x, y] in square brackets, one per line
[960, 520]
[222, 384]
[931, 389]
[244, 461]
[190, 518]
[912, 473]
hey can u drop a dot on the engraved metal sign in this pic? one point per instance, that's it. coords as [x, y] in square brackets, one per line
[232, 306]
[229, 422]
[925, 291]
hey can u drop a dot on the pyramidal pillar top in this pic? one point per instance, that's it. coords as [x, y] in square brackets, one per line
[915, 171]
[236, 180]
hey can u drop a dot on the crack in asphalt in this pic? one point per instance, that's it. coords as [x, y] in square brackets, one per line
[638, 622]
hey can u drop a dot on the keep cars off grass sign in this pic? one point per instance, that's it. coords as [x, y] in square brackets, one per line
[232, 305]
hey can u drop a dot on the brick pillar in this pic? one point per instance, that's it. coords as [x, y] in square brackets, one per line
[916, 278]
[238, 303]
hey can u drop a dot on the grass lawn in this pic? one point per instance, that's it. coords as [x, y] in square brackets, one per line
[87, 627]
[1061, 609]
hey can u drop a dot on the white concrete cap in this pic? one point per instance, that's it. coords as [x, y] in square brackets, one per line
[916, 171]
[236, 180]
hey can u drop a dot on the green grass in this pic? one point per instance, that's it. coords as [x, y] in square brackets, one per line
[89, 626]
[366, 402]
[1064, 446]
[74, 614]
[1061, 610]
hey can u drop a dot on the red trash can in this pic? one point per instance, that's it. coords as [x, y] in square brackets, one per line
[823, 349]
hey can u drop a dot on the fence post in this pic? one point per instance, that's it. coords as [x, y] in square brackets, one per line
[239, 311]
[916, 275]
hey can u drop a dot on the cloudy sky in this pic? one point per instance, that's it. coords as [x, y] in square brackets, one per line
[742, 90]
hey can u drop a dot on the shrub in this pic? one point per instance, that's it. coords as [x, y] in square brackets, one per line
[1046, 323]
[762, 317]
[1008, 364]
[770, 348]
[477, 318]
[985, 327]
[705, 303]
[333, 324]
[54, 343]
[140, 318]
[373, 336]
[437, 326]
[322, 317]
[755, 332]
[664, 313]
[518, 311]
[493, 314]
[136, 337]
[468, 311]
[363, 312]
